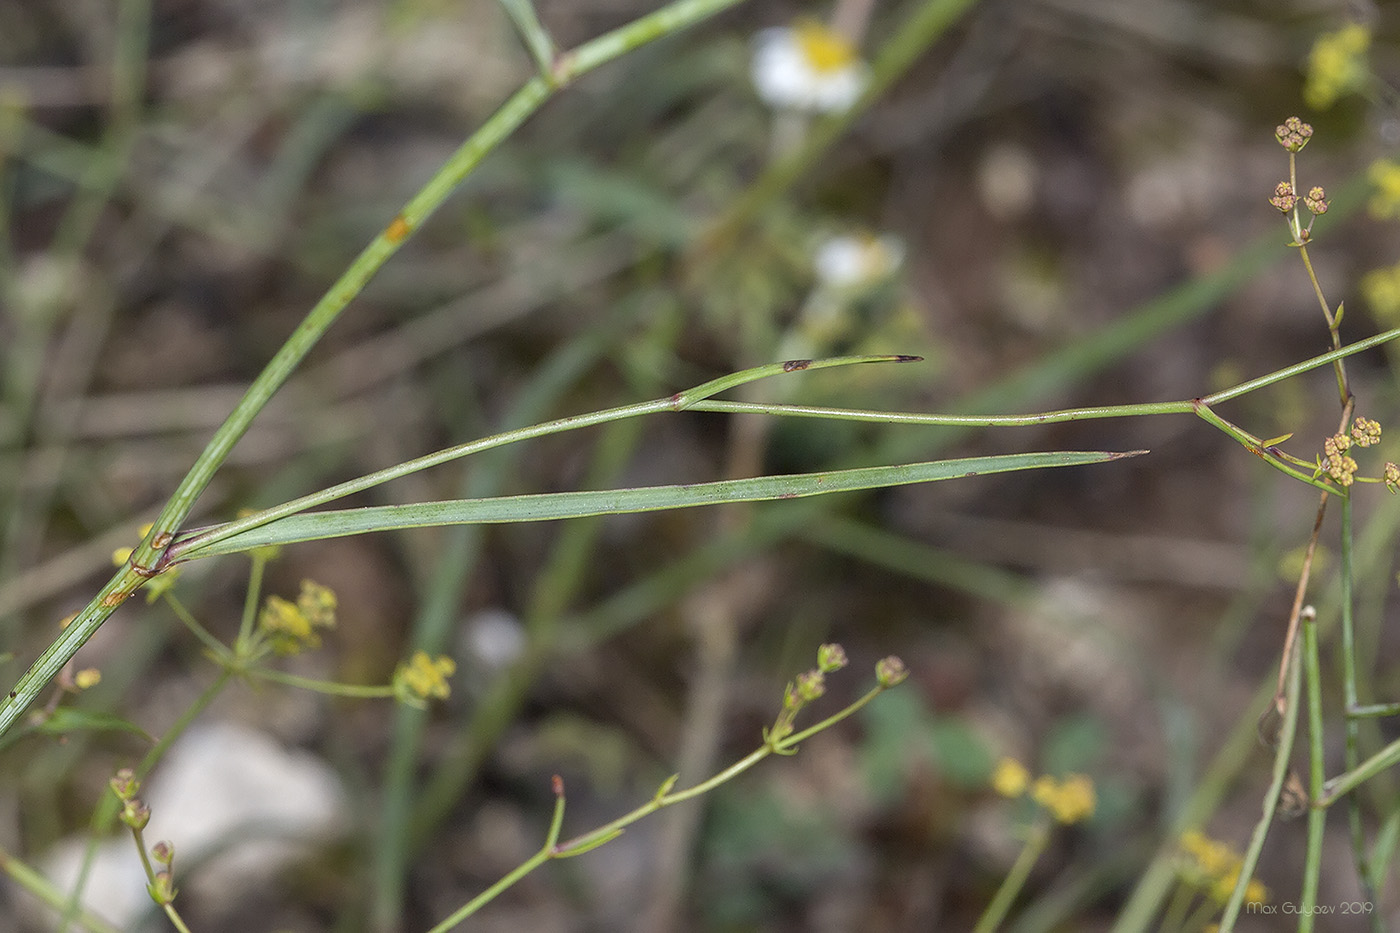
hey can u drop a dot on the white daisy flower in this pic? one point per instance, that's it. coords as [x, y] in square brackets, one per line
[807, 67]
[857, 260]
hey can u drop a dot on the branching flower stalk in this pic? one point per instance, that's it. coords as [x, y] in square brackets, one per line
[779, 739]
[1293, 135]
[160, 882]
[1069, 800]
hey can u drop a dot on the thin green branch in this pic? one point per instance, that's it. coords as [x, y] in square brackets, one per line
[1288, 730]
[1351, 349]
[1015, 879]
[1374, 710]
[1317, 817]
[328, 687]
[201, 541]
[43, 889]
[519, 107]
[664, 797]
[1352, 752]
[537, 39]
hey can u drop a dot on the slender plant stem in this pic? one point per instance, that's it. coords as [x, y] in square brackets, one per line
[107, 808]
[1352, 725]
[457, 554]
[1036, 840]
[537, 39]
[664, 797]
[251, 597]
[42, 888]
[328, 687]
[215, 647]
[1317, 816]
[1282, 754]
[519, 107]
[1374, 710]
[189, 545]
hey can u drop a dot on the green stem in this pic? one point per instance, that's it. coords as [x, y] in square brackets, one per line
[664, 797]
[329, 687]
[1256, 446]
[188, 547]
[251, 597]
[109, 805]
[1317, 816]
[174, 917]
[215, 647]
[519, 107]
[1288, 730]
[1352, 752]
[1343, 387]
[537, 39]
[43, 889]
[1288, 372]
[1374, 710]
[1348, 781]
[1015, 879]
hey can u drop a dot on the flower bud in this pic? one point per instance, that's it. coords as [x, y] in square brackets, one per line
[831, 658]
[891, 671]
[1284, 197]
[1293, 134]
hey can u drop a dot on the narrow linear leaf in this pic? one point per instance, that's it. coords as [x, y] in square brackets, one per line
[66, 719]
[553, 506]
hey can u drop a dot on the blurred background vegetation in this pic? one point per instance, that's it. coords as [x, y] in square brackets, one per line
[1073, 199]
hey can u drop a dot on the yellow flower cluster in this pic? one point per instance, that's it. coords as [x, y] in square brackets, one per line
[1381, 289]
[1384, 175]
[1214, 867]
[292, 627]
[1336, 463]
[1070, 800]
[1337, 65]
[1365, 432]
[423, 678]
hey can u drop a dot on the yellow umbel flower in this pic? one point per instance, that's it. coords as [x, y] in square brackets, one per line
[1337, 65]
[1214, 867]
[317, 603]
[292, 627]
[1010, 778]
[1068, 801]
[1384, 175]
[423, 678]
[1381, 289]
